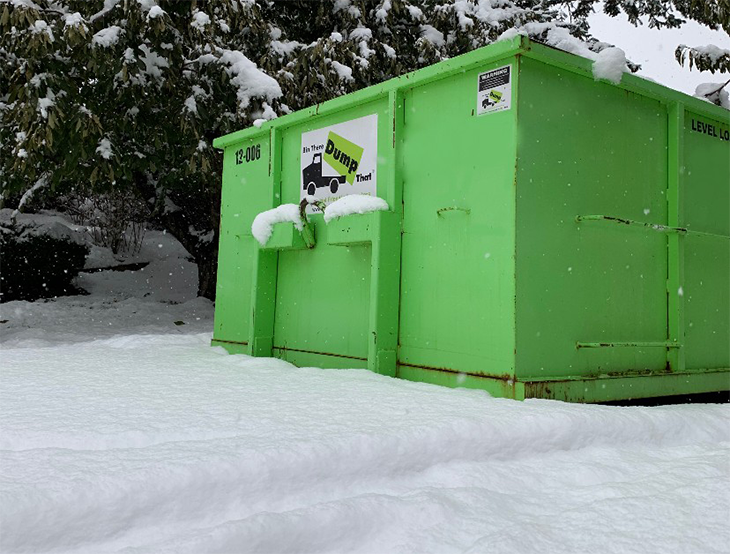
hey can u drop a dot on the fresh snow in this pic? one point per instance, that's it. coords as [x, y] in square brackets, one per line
[47, 224]
[107, 37]
[154, 63]
[285, 48]
[268, 112]
[39, 78]
[415, 12]
[263, 223]
[361, 33]
[44, 104]
[712, 91]
[104, 149]
[382, 13]
[509, 34]
[146, 301]
[155, 12]
[248, 79]
[74, 20]
[40, 183]
[343, 72]
[711, 51]
[158, 443]
[191, 105]
[200, 20]
[610, 64]
[41, 26]
[354, 204]
[462, 8]
[108, 6]
[25, 4]
[432, 35]
[123, 430]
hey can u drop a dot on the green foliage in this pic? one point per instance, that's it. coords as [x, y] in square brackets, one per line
[36, 265]
[106, 95]
[69, 90]
[100, 96]
[661, 14]
[378, 40]
[97, 96]
[704, 58]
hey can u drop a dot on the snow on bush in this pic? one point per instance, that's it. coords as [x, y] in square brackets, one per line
[154, 63]
[161, 297]
[714, 93]
[104, 149]
[509, 34]
[248, 78]
[263, 224]
[432, 35]
[41, 26]
[107, 37]
[610, 64]
[344, 72]
[200, 20]
[712, 52]
[354, 204]
[155, 12]
[191, 105]
[28, 195]
[39, 258]
[553, 35]
[74, 20]
[44, 104]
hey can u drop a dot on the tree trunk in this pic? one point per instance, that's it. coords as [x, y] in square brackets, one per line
[205, 253]
[185, 226]
[208, 269]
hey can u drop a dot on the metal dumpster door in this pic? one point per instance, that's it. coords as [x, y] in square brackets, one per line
[323, 293]
[457, 285]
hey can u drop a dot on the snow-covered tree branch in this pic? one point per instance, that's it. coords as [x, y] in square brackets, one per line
[129, 94]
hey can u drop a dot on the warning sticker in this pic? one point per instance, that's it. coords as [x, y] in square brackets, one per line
[495, 90]
[339, 160]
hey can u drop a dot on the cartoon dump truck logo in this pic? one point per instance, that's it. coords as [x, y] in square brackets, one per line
[340, 154]
[492, 99]
[313, 178]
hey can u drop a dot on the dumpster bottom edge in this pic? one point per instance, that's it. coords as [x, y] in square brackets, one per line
[606, 388]
[232, 347]
[630, 387]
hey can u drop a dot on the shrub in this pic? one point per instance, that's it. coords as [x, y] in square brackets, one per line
[116, 220]
[36, 263]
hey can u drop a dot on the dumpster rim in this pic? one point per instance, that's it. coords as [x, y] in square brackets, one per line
[490, 53]
[519, 45]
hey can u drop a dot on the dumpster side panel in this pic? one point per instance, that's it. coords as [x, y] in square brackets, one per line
[705, 196]
[323, 294]
[591, 288]
[457, 287]
[246, 191]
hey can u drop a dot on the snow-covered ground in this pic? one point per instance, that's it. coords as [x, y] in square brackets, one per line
[150, 300]
[122, 430]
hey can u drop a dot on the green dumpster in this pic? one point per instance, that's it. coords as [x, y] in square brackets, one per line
[547, 234]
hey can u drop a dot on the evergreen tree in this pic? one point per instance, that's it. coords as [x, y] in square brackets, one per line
[112, 94]
[128, 94]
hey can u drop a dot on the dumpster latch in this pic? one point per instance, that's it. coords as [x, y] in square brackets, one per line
[308, 230]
